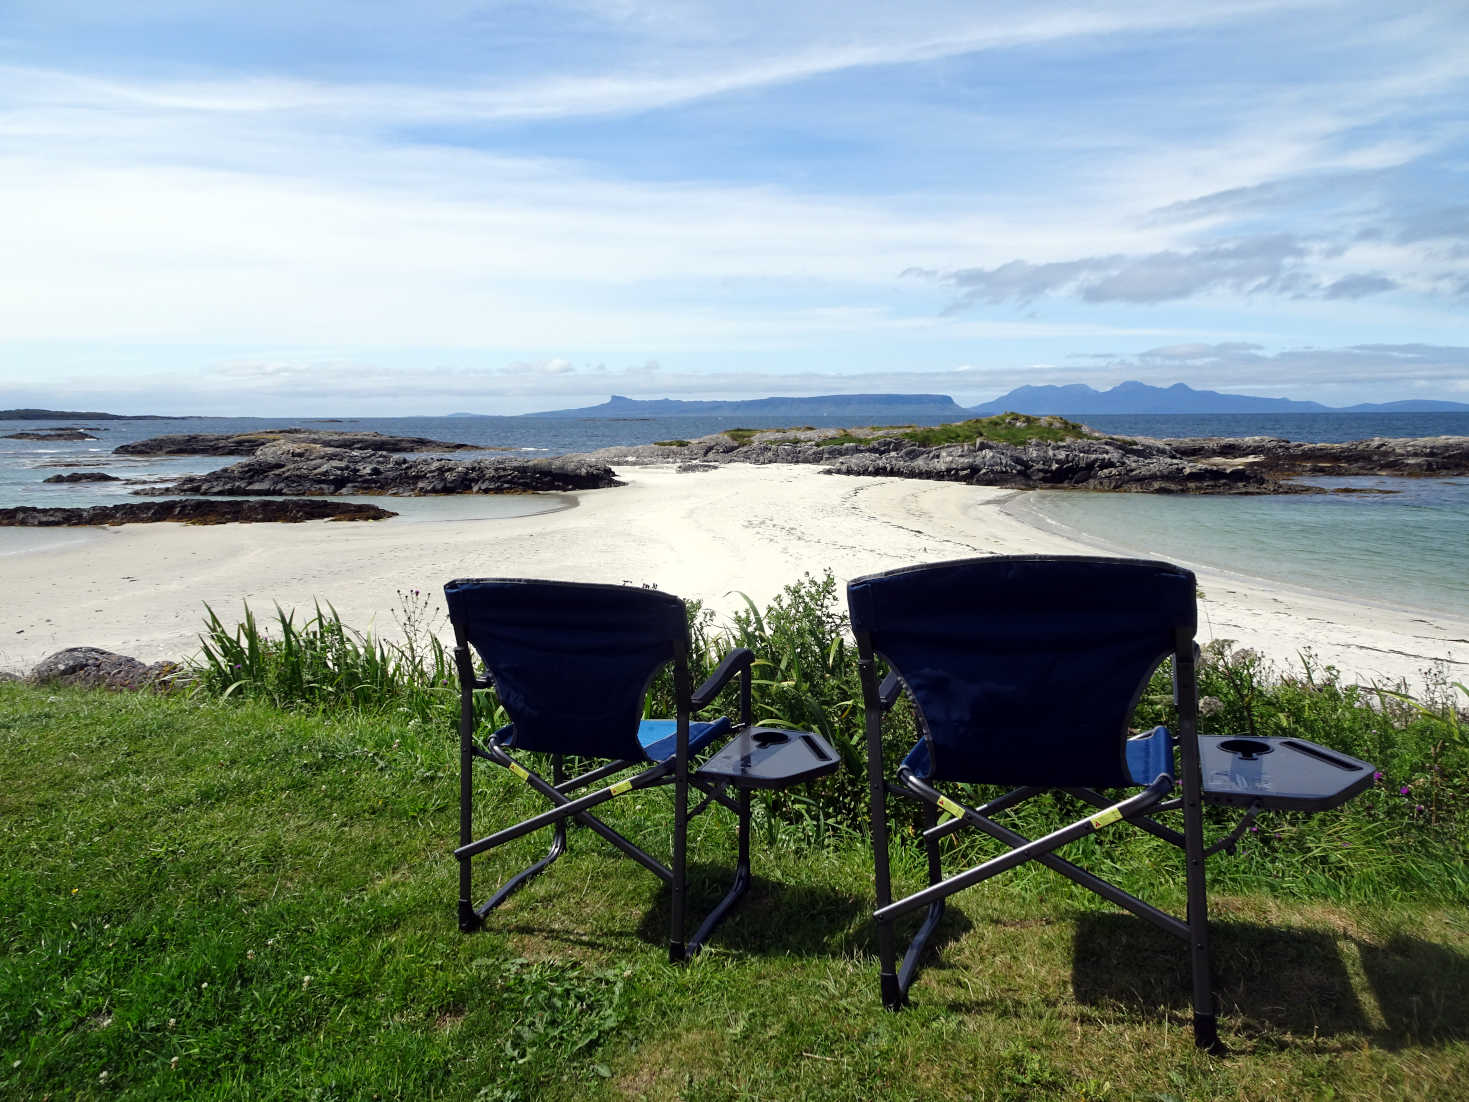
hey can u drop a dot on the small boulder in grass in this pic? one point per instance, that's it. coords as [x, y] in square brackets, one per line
[93, 667]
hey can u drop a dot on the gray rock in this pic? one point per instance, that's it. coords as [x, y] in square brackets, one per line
[92, 667]
[248, 443]
[295, 469]
[57, 434]
[191, 511]
[1429, 456]
[83, 476]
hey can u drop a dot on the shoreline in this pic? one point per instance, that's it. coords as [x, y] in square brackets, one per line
[714, 535]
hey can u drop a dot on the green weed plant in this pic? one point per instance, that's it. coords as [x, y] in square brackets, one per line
[1392, 838]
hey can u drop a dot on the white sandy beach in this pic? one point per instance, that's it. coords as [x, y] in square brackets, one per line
[141, 589]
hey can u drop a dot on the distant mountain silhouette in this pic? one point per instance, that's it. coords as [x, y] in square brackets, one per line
[860, 406]
[1135, 397]
[1077, 398]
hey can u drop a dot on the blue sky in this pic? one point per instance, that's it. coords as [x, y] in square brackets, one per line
[379, 208]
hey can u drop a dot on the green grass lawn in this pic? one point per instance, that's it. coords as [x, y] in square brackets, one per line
[223, 900]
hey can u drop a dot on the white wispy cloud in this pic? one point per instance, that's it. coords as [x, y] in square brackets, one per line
[700, 183]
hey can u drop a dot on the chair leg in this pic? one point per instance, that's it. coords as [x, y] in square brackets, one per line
[472, 917]
[677, 950]
[1206, 1026]
[919, 944]
[737, 889]
[520, 879]
[893, 994]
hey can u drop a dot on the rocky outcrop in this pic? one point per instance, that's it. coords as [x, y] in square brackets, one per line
[92, 667]
[307, 470]
[1090, 463]
[1430, 456]
[248, 443]
[1072, 464]
[57, 434]
[83, 476]
[191, 511]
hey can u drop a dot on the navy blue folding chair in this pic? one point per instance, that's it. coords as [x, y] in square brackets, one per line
[1024, 671]
[572, 664]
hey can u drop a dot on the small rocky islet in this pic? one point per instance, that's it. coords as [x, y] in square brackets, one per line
[248, 443]
[71, 435]
[1023, 451]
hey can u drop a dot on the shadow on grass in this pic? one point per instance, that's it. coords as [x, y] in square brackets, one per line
[772, 918]
[1420, 989]
[1278, 981]
[1266, 980]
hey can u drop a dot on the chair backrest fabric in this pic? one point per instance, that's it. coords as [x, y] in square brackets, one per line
[1026, 669]
[571, 661]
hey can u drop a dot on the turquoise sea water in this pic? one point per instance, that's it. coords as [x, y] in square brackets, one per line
[1410, 546]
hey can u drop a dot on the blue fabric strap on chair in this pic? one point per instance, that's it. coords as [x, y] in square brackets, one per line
[1150, 756]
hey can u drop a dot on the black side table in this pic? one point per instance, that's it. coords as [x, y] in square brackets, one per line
[1278, 773]
[758, 757]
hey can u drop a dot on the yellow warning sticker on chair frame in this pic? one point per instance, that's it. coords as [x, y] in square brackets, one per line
[620, 787]
[1106, 818]
[951, 807]
[520, 771]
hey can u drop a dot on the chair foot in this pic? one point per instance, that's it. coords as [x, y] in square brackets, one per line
[893, 997]
[677, 954]
[468, 920]
[1206, 1034]
[722, 909]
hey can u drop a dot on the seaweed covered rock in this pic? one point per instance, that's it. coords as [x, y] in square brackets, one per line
[191, 511]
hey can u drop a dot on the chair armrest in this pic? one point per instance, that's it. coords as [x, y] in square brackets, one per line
[887, 692]
[736, 661]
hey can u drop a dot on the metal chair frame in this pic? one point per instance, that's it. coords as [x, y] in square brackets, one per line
[561, 792]
[1137, 809]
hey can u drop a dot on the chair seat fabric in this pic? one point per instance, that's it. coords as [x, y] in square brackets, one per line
[1148, 756]
[659, 737]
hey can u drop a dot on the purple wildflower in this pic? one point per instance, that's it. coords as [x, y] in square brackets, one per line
[1377, 776]
[1403, 791]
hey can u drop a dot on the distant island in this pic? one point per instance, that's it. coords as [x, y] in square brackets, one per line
[89, 415]
[819, 405]
[1077, 399]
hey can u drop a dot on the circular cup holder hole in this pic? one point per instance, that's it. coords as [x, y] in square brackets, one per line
[766, 737]
[1246, 748]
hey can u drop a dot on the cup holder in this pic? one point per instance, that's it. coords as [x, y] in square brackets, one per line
[1246, 749]
[765, 736]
